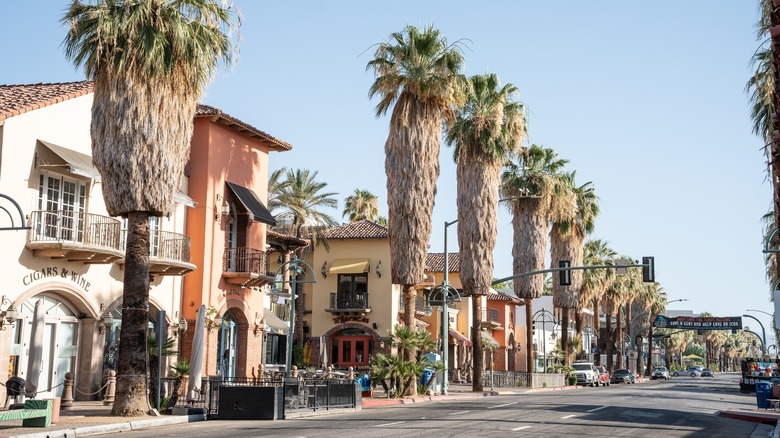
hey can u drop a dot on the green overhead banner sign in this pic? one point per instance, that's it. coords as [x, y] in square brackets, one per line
[698, 322]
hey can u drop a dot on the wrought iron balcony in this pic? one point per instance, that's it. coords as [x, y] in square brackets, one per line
[419, 304]
[169, 253]
[245, 267]
[75, 236]
[349, 303]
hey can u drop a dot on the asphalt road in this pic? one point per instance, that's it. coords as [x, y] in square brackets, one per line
[682, 407]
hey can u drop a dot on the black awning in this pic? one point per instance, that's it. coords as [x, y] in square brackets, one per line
[253, 204]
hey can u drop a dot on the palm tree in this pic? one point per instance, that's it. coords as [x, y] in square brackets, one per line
[276, 184]
[530, 184]
[361, 205]
[297, 201]
[154, 58]
[417, 74]
[487, 131]
[595, 281]
[567, 243]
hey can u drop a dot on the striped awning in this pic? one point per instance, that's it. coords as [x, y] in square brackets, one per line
[349, 266]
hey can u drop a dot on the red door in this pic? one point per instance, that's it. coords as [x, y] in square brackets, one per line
[351, 350]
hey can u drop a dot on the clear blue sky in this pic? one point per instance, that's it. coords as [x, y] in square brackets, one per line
[645, 99]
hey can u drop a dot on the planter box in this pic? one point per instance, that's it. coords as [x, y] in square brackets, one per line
[251, 403]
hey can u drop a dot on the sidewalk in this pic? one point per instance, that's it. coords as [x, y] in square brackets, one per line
[90, 418]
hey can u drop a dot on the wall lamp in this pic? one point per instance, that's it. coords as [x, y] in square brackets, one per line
[179, 325]
[324, 270]
[225, 209]
[378, 269]
[258, 318]
[106, 321]
[7, 315]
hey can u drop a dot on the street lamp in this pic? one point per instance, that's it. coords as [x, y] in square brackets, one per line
[544, 313]
[763, 332]
[296, 267]
[443, 297]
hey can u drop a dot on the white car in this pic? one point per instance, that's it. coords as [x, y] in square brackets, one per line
[586, 373]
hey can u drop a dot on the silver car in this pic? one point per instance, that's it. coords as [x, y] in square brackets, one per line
[660, 373]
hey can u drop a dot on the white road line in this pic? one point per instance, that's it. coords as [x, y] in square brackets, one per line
[461, 412]
[597, 409]
[569, 416]
[520, 428]
[501, 406]
[390, 424]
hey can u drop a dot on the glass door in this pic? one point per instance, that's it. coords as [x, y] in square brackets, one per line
[228, 345]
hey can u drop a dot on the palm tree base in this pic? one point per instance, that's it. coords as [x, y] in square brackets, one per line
[127, 402]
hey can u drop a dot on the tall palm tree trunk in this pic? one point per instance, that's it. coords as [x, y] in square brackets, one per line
[649, 363]
[597, 328]
[529, 335]
[132, 364]
[619, 336]
[565, 337]
[478, 356]
[610, 341]
[409, 294]
[578, 316]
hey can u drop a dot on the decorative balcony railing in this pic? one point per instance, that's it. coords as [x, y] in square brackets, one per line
[244, 260]
[75, 235]
[492, 315]
[348, 301]
[419, 304]
[245, 266]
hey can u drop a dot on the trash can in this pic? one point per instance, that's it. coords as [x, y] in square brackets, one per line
[763, 394]
[426, 376]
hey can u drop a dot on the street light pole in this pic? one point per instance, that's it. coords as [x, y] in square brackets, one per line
[763, 332]
[445, 316]
[544, 313]
[296, 267]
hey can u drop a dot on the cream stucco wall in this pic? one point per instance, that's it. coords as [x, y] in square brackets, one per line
[87, 289]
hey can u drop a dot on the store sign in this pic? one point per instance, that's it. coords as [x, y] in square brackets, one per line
[343, 319]
[56, 272]
[698, 322]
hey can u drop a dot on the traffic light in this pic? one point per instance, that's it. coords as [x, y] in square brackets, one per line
[564, 277]
[648, 269]
[533, 328]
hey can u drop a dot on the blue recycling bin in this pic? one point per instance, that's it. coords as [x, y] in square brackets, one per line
[365, 383]
[426, 377]
[763, 394]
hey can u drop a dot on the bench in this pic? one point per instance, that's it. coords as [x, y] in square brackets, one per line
[36, 413]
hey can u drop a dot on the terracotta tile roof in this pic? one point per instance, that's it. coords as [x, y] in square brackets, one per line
[218, 116]
[434, 262]
[364, 229]
[287, 238]
[19, 99]
[504, 295]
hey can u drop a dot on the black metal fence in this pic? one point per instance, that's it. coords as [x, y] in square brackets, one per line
[300, 395]
[315, 394]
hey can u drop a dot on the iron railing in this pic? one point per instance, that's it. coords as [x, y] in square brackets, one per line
[248, 260]
[345, 301]
[313, 395]
[165, 246]
[76, 227]
[419, 303]
[492, 315]
[512, 379]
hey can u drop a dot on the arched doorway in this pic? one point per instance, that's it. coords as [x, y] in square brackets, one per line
[111, 323]
[227, 346]
[60, 343]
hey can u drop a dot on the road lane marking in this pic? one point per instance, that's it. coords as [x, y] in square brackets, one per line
[597, 409]
[461, 412]
[390, 424]
[520, 428]
[569, 416]
[501, 406]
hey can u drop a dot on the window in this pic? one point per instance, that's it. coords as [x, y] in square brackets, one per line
[353, 291]
[63, 202]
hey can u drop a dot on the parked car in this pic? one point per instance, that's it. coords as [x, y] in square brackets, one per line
[660, 373]
[623, 376]
[698, 368]
[692, 371]
[706, 372]
[604, 376]
[586, 373]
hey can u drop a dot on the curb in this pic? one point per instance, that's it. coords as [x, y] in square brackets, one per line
[113, 427]
[754, 417]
